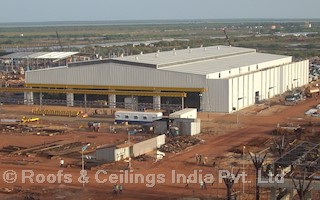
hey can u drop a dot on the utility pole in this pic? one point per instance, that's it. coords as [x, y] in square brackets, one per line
[82, 163]
[129, 163]
[243, 169]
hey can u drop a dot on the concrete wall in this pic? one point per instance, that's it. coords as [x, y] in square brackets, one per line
[148, 145]
[161, 140]
[188, 126]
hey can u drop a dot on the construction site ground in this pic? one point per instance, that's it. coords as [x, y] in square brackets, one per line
[221, 141]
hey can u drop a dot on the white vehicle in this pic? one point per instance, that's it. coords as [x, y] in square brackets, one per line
[311, 111]
[133, 117]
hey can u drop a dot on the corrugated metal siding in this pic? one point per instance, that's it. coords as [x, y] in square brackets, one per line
[160, 127]
[268, 83]
[106, 154]
[217, 97]
[115, 74]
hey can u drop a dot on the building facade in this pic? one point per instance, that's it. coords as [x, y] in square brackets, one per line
[218, 78]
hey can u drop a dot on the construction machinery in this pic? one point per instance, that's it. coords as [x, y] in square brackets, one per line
[174, 131]
[94, 126]
[311, 91]
[60, 44]
[26, 120]
[227, 37]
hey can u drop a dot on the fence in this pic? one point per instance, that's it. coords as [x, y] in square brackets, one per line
[68, 113]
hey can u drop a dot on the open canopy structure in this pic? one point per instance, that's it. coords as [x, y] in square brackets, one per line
[304, 155]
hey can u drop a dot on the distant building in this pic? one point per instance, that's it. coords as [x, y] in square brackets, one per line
[40, 60]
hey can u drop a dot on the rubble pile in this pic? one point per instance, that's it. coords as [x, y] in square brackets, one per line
[142, 158]
[32, 129]
[177, 144]
[53, 149]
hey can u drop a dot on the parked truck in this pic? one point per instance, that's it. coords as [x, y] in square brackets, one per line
[293, 98]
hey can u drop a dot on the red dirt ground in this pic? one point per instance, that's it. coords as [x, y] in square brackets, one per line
[221, 133]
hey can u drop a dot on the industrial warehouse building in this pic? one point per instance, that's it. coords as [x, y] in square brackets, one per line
[217, 78]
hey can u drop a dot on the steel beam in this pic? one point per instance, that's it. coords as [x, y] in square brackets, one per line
[98, 92]
[106, 87]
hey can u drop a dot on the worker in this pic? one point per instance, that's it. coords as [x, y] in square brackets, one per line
[61, 163]
[204, 185]
[205, 160]
[115, 189]
[120, 188]
[197, 159]
[213, 163]
[201, 184]
[200, 158]
[187, 183]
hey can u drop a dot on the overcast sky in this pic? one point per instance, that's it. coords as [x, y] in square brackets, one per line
[91, 10]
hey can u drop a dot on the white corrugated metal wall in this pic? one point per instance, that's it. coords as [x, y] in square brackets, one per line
[267, 83]
[217, 97]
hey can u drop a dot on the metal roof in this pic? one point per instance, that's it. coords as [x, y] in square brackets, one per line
[300, 155]
[18, 55]
[181, 112]
[222, 64]
[201, 61]
[57, 55]
[136, 112]
[39, 55]
[162, 59]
